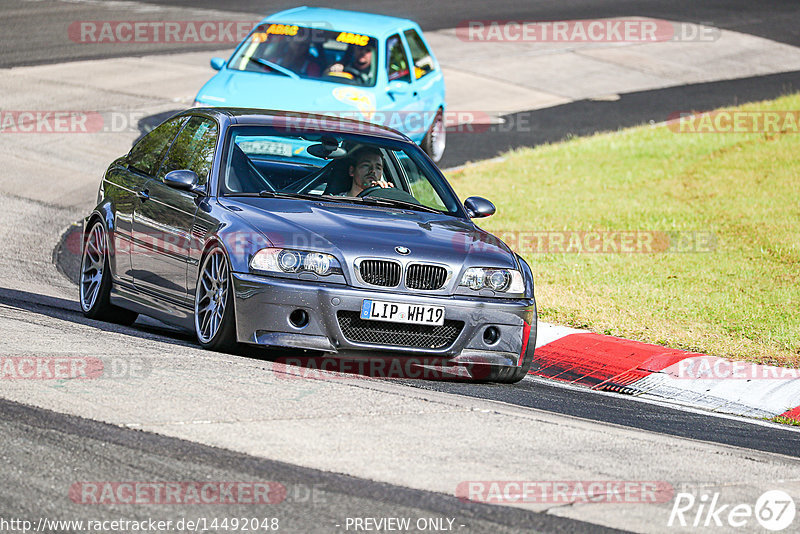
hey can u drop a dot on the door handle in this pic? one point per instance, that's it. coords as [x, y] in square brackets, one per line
[143, 195]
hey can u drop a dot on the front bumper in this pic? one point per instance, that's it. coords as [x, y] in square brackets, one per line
[264, 305]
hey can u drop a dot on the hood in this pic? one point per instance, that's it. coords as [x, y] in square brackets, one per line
[349, 231]
[243, 89]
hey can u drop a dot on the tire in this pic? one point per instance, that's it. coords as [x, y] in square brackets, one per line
[435, 139]
[94, 282]
[214, 317]
[512, 375]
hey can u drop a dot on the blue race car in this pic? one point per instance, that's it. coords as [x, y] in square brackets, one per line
[341, 63]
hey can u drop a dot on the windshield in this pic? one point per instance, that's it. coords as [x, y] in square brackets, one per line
[296, 51]
[344, 168]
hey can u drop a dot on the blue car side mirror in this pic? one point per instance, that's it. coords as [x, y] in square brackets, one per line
[217, 63]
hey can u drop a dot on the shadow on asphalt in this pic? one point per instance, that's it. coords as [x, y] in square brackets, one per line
[587, 117]
[144, 327]
[69, 310]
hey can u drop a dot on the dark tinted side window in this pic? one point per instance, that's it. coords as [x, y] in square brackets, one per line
[193, 149]
[396, 62]
[423, 62]
[146, 155]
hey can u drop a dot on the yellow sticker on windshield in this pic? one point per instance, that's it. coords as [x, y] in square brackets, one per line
[275, 29]
[282, 29]
[353, 38]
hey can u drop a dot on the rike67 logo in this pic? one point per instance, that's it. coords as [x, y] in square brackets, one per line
[774, 510]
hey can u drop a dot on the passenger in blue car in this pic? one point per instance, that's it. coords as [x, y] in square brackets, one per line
[297, 56]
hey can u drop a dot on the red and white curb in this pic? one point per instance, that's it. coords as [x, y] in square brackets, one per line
[692, 379]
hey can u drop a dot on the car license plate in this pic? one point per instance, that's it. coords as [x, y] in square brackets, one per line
[396, 312]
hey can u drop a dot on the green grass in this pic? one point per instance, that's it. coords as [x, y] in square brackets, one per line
[739, 299]
[785, 420]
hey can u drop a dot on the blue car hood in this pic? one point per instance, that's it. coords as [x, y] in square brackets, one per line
[274, 91]
[352, 230]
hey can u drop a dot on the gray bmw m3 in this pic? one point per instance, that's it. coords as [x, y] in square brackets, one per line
[303, 231]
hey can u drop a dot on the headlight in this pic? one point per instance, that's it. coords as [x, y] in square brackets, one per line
[279, 260]
[500, 280]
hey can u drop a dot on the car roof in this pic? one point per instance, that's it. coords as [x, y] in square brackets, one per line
[342, 20]
[302, 122]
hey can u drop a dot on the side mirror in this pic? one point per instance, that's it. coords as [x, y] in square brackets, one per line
[478, 207]
[397, 87]
[217, 63]
[183, 179]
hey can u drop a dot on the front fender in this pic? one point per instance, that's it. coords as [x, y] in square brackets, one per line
[527, 274]
[104, 212]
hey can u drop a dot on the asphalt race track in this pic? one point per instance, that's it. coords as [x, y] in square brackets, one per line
[342, 447]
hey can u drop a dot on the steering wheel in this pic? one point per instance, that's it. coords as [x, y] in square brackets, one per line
[369, 190]
[359, 75]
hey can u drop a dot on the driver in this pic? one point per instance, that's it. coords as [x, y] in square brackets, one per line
[366, 171]
[356, 65]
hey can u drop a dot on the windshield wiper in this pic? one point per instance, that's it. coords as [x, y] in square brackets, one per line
[303, 196]
[274, 66]
[371, 201]
[393, 202]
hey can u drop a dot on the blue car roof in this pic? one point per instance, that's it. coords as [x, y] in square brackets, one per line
[379, 26]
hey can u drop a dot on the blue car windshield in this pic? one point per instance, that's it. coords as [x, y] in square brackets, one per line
[344, 167]
[311, 53]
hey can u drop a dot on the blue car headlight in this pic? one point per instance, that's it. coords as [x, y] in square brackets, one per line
[498, 280]
[280, 260]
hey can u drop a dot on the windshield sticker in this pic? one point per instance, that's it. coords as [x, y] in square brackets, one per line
[275, 29]
[271, 148]
[283, 29]
[353, 38]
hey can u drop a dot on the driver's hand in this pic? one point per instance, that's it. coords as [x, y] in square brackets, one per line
[381, 183]
[336, 67]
